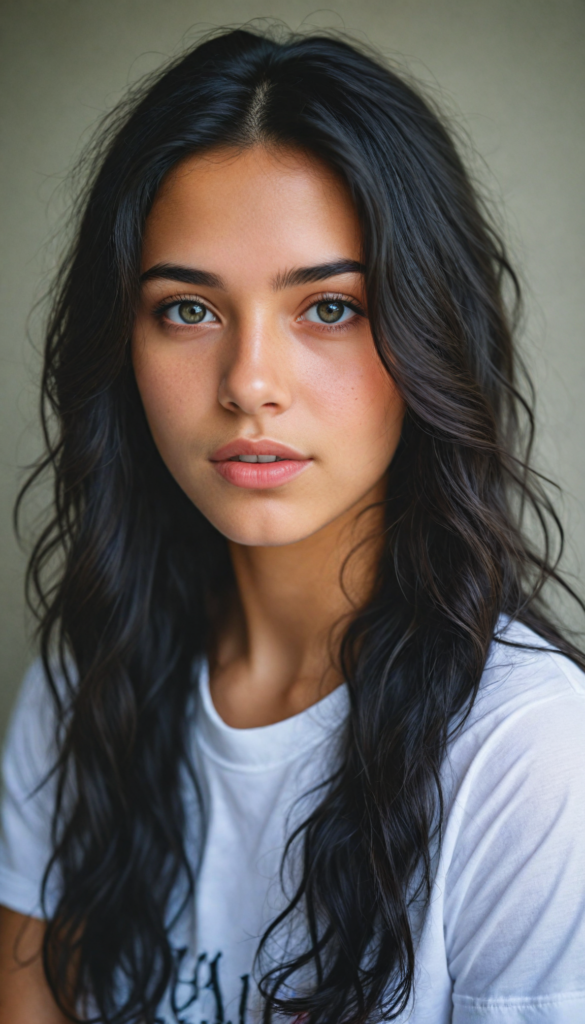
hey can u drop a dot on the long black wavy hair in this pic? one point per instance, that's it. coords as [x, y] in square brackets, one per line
[128, 575]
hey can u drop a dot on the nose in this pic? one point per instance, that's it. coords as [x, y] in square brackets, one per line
[254, 377]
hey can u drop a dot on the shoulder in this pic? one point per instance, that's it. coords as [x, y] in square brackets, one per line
[531, 700]
[522, 667]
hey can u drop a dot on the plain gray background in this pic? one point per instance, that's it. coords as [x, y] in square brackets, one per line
[510, 73]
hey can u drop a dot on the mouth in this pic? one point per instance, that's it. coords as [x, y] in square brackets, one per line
[258, 465]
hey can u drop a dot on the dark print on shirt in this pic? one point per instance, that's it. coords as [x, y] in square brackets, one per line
[185, 992]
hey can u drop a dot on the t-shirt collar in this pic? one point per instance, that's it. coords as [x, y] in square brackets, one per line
[267, 745]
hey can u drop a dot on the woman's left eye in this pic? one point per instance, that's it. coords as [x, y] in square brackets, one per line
[329, 311]
[189, 312]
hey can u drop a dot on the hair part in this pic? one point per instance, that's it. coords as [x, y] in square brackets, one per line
[252, 128]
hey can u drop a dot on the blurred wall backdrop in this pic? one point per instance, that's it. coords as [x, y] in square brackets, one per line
[510, 73]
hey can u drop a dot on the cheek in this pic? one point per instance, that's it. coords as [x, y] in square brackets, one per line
[175, 392]
[350, 393]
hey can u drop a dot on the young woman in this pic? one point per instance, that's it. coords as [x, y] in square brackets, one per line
[303, 742]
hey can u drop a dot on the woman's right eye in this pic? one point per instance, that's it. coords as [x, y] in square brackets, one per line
[189, 312]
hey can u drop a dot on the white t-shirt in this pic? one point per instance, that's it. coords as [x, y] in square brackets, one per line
[503, 940]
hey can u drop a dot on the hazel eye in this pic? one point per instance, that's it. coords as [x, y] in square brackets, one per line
[190, 312]
[329, 311]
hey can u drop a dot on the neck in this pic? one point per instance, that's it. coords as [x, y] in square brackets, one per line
[274, 655]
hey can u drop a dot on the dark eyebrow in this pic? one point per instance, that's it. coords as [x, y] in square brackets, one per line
[288, 279]
[188, 275]
[309, 275]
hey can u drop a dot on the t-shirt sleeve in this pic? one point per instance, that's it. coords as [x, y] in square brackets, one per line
[515, 890]
[27, 799]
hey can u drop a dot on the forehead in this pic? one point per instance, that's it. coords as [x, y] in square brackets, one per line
[262, 206]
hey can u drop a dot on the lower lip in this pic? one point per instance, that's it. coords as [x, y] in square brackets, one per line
[260, 475]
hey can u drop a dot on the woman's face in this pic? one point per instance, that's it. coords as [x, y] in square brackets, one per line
[252, 349]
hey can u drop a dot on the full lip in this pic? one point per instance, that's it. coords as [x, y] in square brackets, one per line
[258, 476]
[245, 446]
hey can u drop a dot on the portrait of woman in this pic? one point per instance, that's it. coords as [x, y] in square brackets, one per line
[304, 740]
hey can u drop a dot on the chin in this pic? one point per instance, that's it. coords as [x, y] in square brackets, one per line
[256, 527]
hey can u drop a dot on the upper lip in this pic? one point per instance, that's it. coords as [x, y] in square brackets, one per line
[244, 446]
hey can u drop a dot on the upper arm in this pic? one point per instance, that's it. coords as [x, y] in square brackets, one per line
[25, 848]
[25, 996]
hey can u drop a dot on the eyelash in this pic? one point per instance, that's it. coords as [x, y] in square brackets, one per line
[160, 310]
[352, 304]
